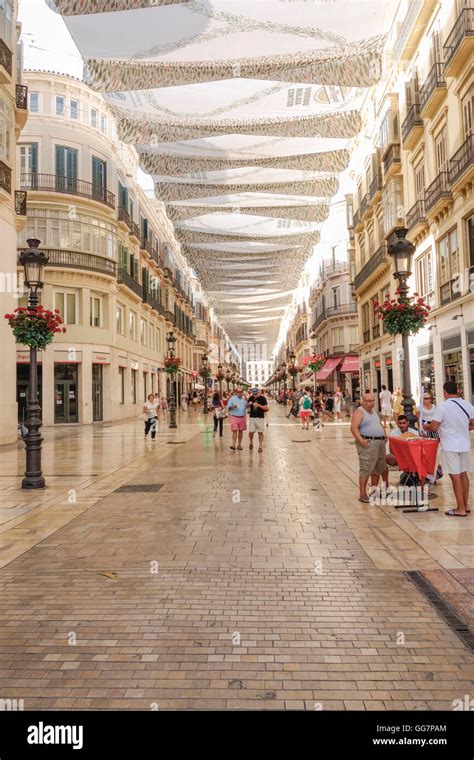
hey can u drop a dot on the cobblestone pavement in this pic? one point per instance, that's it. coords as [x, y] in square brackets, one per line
[247, 581]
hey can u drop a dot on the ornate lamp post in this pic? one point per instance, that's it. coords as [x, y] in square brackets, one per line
[312, 337]
[283, 377]
[171, 340]
[204, 375]
[220, 375]
[402, 250]
[292, 367]
[33, 262]
[228, 376]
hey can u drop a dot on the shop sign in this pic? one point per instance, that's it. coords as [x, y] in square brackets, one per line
[98, 358]
[134, 364]
[23, 357]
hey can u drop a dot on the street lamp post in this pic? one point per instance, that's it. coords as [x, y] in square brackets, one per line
[227, 378]
[313, 353]
[219, 375]
[33, 262]
[283, 369]
[402, 251]
[204, 375]
[293, 376]
[171, 340]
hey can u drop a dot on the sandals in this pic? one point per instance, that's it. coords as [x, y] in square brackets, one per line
[364, 499]
[260, 451]
[453, 513]
[240, 448]
[233, 448]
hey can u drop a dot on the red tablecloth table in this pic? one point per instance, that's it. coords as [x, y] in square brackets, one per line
[415, 454]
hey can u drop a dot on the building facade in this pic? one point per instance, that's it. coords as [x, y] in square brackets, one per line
[115, 270]
[13, 115]
[415, 170]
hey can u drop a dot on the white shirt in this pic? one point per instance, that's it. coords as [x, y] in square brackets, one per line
[385, 399]
[426, 415]
[397, 432]
[454, 428]
[150, 408]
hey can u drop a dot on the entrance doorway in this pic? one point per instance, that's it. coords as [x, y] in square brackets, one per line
[65, 393]
[97, 395]
[22, 383]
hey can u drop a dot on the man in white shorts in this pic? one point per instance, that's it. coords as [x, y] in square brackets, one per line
[385, 407]
[452, 420]
[257, 405]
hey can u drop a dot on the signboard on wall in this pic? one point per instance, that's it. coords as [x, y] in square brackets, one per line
[23, 357]
[100, 358]
[134, 364]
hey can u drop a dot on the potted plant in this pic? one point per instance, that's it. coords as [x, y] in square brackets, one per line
[316, 362]
[172, 364]
[405, 316]
[35, 326]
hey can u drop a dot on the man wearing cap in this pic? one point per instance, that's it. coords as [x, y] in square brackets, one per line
[257, 406]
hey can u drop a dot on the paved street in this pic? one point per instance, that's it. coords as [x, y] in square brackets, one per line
[246, 581]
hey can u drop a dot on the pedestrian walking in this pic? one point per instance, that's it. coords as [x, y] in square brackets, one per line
[370, 443]
[218, 409]
[258, 406]
[164, 406]
[150, 411]
[305, 405]
[386, 407]
[397, 405]
[452, 420]
[337, 404]
[237, 408]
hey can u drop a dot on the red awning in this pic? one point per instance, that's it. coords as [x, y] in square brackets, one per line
[328, 368]
[350, 364]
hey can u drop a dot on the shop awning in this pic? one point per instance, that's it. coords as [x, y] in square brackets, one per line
[329, 367]
[350, 364]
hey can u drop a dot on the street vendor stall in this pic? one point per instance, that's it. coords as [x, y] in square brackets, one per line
[415, 455]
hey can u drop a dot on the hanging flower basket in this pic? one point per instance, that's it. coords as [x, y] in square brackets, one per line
[405, 317]
[220, 376]
[172, 364]
[205, 372]
[35, 327]
[316, 362]
[293, 370]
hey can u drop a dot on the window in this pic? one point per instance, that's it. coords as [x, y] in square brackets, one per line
[28, 158]
[337, 339]
[449, 267]
[5, 129]
[65, 301]
[60, 105]
[143, 331]
[103, 123]
[81, 233]
[133, 326]
[419, 174]
[34, 102]
[95, 311]
[424, 274]
[440, 150]
[120, 320]
[335, 297]
[467, 104]
[353, 337]
[94, 117]
[134, 385]
[122, 384]
[74, 109]
[6, 21]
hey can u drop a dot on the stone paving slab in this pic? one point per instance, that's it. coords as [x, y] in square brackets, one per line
[241, 584]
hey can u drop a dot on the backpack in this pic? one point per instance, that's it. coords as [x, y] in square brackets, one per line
[307, 403]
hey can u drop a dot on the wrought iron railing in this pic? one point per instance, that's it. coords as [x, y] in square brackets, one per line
[146, 245]
[5, 57]
[55, 183]
[366, 336]
[79, 260]
[380, 257]
[376, 184]
[463, 27]
[462, 159]
[5, 178]
[364, 204]
[123, 215]
[21, 96]
[438, 189]
[125, 278]
[416, 214]
[392, 156]
[412, 120]
[135, 230]
[434, 80]
[20, 202]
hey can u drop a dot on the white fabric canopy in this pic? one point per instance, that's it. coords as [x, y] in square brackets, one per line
[243, 113]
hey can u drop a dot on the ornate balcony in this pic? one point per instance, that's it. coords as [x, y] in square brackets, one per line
[135, 231]
[433, 91]
[5, 63]
[123, 216]
[20, 202]
[357, 220]
[366, 336]
[53, 183]
[461, 166]
[365, 206]
[153, 301]
[88, 262]
[145, 245]
[21, 94]
[391, 162]
[437, 194]
[412, 127]
[379, 260]
[415, 218]
[459, 46]
[375, 331]
[124, 278]
[376, 186]
[334, 311]
[5, 178]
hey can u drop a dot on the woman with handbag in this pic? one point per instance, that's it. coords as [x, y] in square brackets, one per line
[218, 408]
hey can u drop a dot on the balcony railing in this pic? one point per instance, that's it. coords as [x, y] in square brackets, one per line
[462, 159]
[366, 336]
[438, 189]
[416, 214]
[334, 311]
[153, 301]
[123, 215]
[145, 245]
[376, 184]
[364, 204]
[79, 260]
[412, 120]
[406, 27]
[54, 183]
[20, 202]
[5, 178]
[375, 331]
[463, 27]
[5, 57]
[392, 156]
[21, 93]
[125, 278]
[380, 257]
[135, 230]
[356, 218]
[434, 81]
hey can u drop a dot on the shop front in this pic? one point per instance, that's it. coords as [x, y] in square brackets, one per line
[66, 393]
[23, 381]
[452, 361]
